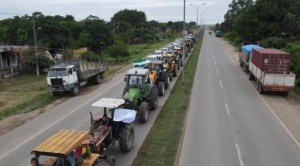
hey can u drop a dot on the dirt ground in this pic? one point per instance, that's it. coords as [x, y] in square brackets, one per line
[12, 122]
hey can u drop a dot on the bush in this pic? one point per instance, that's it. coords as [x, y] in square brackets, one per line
[118, 51]
[90, 56]
[273, 42]
[30, 59]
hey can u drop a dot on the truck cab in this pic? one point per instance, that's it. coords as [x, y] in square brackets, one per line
[61, 78]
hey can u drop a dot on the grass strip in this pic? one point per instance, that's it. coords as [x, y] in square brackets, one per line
[160, 146]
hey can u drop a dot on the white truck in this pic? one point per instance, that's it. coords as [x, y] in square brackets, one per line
[70, 75]
[271, 69]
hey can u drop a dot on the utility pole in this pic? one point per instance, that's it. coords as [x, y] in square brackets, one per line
[183, 37]
[35, 47]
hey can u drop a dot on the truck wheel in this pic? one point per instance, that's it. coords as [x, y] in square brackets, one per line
[260, 89]
[251, 77]
[143, 112]
[75, 91]
[126, 138]
[153, 98]
[161, 90]
[175, 70]
[241, 63]
[98, 79]
[167, 81]
[285, 93]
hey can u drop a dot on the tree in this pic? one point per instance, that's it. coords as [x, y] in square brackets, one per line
[118, 51]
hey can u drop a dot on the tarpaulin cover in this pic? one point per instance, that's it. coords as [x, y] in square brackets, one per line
[124, 115]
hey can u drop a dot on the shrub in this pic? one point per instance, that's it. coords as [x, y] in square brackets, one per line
[273, 42]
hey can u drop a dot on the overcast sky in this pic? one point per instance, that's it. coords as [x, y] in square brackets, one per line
[159, 10]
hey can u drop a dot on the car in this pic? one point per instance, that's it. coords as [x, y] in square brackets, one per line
[156, 52]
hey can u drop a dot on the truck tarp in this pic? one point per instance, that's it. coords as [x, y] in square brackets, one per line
[247, 49]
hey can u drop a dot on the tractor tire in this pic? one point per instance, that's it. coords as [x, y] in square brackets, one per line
[143, 112]
[124, 91]
[111, 160]
[161, 88]
[241, 63]
[153, 98]
[126, 138]
[75, 90]
[260, 89]
[175, 70]
[251, 77]
[171, 78]
[181, 62]
[98, 79]
[167, 81]
[101, 163]
[178, 66]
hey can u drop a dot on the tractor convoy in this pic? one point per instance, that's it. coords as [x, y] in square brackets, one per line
[144, 83]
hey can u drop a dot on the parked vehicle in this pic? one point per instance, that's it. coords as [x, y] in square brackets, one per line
[218, 33]
[70, 75]
[118, 128]
[69, 147]
[271, 69]
[140, 93]
[245, 54]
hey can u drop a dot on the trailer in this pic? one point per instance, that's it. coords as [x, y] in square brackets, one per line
[271, 70]
[69, 76]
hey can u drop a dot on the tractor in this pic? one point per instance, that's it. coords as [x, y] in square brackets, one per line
[140, 93]
[177, 56]
[170, 64]
[69, 147]
[120, 129]
[159, 76]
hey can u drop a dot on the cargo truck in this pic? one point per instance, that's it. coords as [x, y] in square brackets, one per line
[70, 75]
[271, 69]
[244, 55]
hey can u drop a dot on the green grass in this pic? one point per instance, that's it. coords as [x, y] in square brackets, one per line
[296, 90]
[160, 146]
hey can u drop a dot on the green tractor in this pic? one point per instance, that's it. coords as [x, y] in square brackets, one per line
[140, 93]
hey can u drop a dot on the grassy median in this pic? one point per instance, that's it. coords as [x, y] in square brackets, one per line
[161, 144]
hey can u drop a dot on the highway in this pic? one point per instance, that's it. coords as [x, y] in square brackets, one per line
[228, 123]
[17, 144]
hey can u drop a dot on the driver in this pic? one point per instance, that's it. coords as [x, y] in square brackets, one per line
[107, 122]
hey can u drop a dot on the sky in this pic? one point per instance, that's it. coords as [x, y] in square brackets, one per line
[211, 12]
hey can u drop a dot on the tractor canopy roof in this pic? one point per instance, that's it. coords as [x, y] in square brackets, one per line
[62, 143]
[138, 71]
[109, 103]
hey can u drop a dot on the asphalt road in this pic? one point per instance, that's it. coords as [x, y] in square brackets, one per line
[228, 123]
[17, 144]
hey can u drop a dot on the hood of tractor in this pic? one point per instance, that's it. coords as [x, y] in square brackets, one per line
[133, 94]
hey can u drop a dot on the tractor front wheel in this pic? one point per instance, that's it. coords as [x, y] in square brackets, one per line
[161, 87]
[175, 70]
[143, 112]
[126, 138]
[153, 98]
[167, 81]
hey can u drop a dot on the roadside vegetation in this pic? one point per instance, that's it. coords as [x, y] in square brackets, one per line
[161, 144]
[27, 92]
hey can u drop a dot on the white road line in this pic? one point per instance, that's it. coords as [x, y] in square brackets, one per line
[227, 109]
[215, 63]
[217, 71]
[287, 130]
[220, 83]
[239, 154]
[11, 150]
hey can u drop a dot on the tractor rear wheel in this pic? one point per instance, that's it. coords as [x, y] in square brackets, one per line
[161, 88]
[175, 70]
[126, 138]
[143, 112]
[153, 98]
[167, 81]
